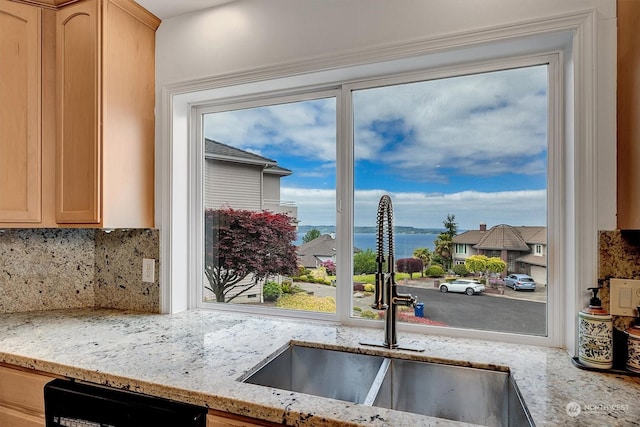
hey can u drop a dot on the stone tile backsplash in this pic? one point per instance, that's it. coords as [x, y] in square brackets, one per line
[118, 282]
[619, 257]
[49, 269]
[46, 269]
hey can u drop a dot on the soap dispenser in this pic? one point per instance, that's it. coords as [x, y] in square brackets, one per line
[595, 335]
[633, 344]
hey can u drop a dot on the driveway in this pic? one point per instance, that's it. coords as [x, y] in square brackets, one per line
[510, 311]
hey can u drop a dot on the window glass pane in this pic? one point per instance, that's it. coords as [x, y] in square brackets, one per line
[465, 162]
[269, 198]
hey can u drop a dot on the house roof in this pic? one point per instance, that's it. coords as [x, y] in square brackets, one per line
[511, 237]
[322, 246]
[536, 234]
[501, 237]
[218, 151]
[470, 237]
[533, 259]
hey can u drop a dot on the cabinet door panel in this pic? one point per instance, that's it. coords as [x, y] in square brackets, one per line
[215, 420]
[11, 418]
[20, 92]
[628, 113]
[78, 138]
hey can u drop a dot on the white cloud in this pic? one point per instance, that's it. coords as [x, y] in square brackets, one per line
[304, 129]
[479, 125]
[317, 207]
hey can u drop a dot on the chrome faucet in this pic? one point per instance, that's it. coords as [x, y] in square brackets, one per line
[386, 290]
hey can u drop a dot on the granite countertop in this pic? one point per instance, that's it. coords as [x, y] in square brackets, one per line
[197, 357]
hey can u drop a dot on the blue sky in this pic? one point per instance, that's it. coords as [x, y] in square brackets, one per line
[474, 146]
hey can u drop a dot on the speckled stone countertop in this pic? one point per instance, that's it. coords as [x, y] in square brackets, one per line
[197, 357]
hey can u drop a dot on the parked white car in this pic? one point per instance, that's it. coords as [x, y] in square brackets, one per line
[467, 286]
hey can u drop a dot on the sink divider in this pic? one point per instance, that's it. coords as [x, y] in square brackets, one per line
[377, 382]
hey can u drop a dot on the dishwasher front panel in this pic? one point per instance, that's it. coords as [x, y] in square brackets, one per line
[77, 404]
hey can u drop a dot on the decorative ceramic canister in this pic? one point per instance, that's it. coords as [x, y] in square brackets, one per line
[595, 335]
[633, 345]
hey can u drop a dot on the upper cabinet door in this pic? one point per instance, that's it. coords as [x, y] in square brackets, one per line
[628, 115]
[78, 140]
[20, 107]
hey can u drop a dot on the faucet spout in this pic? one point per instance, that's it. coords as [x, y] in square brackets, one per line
[387, 297]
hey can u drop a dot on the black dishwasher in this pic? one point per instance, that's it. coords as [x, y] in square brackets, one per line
[76, 404]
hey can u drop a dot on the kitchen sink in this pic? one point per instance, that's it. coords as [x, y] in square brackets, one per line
[328, 373]
[473, 395]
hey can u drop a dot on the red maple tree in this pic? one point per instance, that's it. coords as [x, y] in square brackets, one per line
[239, 243]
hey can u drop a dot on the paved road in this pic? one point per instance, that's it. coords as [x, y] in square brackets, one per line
[486, 312]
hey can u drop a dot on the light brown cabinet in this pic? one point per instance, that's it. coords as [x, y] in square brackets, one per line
[105, 58]
[628, 94]
[220, 419]
[20, 105]
[22, 397]
[94, 164]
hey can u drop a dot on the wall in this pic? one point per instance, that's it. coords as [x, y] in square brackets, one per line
[48, 269]
[254, 34]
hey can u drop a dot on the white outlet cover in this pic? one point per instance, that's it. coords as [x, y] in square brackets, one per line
[148, 270]
[624, 297]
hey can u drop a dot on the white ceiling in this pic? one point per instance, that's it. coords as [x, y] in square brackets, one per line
[164, 9]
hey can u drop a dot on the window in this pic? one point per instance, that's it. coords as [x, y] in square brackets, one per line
[538, 250]
[571, 206]
[452, 151]
[269, 204]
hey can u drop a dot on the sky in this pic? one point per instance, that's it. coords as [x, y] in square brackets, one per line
[473, 146]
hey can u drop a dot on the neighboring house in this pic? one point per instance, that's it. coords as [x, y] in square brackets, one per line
[323, 248]
[312, 254]
[238, 179]
[242, 180]
[523, 248]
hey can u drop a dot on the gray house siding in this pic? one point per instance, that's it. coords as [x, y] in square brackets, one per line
[232, 185]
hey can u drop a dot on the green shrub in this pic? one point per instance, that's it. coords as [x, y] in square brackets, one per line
[460, 270]
[271, 291]
[358, 309]
[368, 314]
[287, 287]
[434, 271]
[368, 287]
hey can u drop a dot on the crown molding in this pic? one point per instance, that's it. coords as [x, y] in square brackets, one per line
[129, 6]
[47, 4]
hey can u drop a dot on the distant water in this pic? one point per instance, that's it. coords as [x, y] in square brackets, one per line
[404, 244]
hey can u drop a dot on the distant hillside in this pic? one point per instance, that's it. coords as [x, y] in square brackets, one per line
[399, 229]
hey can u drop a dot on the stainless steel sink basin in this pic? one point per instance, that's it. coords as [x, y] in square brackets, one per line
[473, 395]
[478, 396]
[328, 373]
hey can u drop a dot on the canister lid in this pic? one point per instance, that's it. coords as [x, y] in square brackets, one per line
[634, 331]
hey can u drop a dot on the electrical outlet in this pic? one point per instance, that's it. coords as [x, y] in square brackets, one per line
[148, 270]
[625, 297]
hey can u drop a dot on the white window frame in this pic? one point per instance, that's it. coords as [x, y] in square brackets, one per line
[573, 210]
[197, 190]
